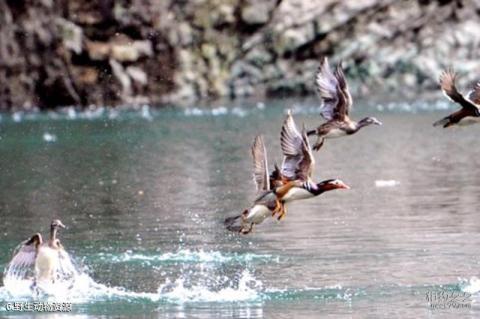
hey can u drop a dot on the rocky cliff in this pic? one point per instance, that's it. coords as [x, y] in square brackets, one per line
[70, 52]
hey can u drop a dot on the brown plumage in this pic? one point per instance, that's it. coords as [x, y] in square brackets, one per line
[268, 201]
[336, 101]
[469, 113]
[298, 160]
[298, 165]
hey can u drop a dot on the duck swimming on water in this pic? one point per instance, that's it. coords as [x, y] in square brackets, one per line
[469, 113]
[269, 199]
[44, 256]
[336, 100]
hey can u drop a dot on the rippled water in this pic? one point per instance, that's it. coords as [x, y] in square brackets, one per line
[144, 194]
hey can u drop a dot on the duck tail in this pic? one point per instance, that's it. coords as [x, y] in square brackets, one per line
[311, 132]
[236, 224]
[445, 122]
[233, 223]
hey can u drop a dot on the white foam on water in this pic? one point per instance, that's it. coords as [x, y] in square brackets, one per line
[71, 285]
[84, 289]
[240, 112]
[79, 287]
[185, 255]
[93, 113]
[415, 106]
[303, 109]
[222, 110]
[248, 288]
[49, 138]
[17, 117]
[386, 183]
[145, 112]
[217, 111]
[471, 285]
[71, 113]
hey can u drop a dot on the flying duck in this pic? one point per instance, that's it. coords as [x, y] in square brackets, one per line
[44, 256]
[268, 201]
[298, 165]
[469, 113]
[336, 101]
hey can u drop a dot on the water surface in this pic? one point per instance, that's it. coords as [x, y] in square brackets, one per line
[144, 195]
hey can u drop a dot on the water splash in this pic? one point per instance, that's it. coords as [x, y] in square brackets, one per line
[471, 285]
[72, 285]
[246, 288]
[49, 137]
[187, 256]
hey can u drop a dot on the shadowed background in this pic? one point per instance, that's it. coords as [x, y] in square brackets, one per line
[57, 52]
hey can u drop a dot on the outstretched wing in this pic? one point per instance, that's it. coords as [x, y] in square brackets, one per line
[474, 95]
[298, 160]
[260, 165]
[447, 83]
[345, 103]
[333, 91]
[23, 261]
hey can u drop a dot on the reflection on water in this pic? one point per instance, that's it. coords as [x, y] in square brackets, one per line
[144, 195]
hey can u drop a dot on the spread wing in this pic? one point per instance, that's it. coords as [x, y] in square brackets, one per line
[447, 83]
[23, 261]
[474, 95]
[345, 103]
[333, 92]
[260, 165]
[298, 160]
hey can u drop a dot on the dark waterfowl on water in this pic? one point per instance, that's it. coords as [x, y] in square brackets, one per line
[469, 113]
[298, 165]
[43, 256]
[336, 100]
[269, 199]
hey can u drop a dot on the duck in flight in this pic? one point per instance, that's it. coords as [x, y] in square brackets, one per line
[43, 256]
[336, 101]
[292, 182]
[269, 198]
[298, 165]
[469, 113]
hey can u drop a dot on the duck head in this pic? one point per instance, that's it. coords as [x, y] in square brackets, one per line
[56, 223]
[331, 184]
[369, 121]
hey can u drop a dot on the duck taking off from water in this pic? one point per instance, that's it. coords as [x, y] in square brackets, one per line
[269, 199]
[469, 113]
[298, 165]
[336, 101]
[43, 256]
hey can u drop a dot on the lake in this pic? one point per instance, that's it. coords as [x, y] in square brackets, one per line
[144, 194]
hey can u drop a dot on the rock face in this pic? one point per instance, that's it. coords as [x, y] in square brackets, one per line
[110, 52]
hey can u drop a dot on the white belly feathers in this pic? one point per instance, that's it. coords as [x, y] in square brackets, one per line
[46, 264]
[335, 133]
[297, 193]
[257, 214]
